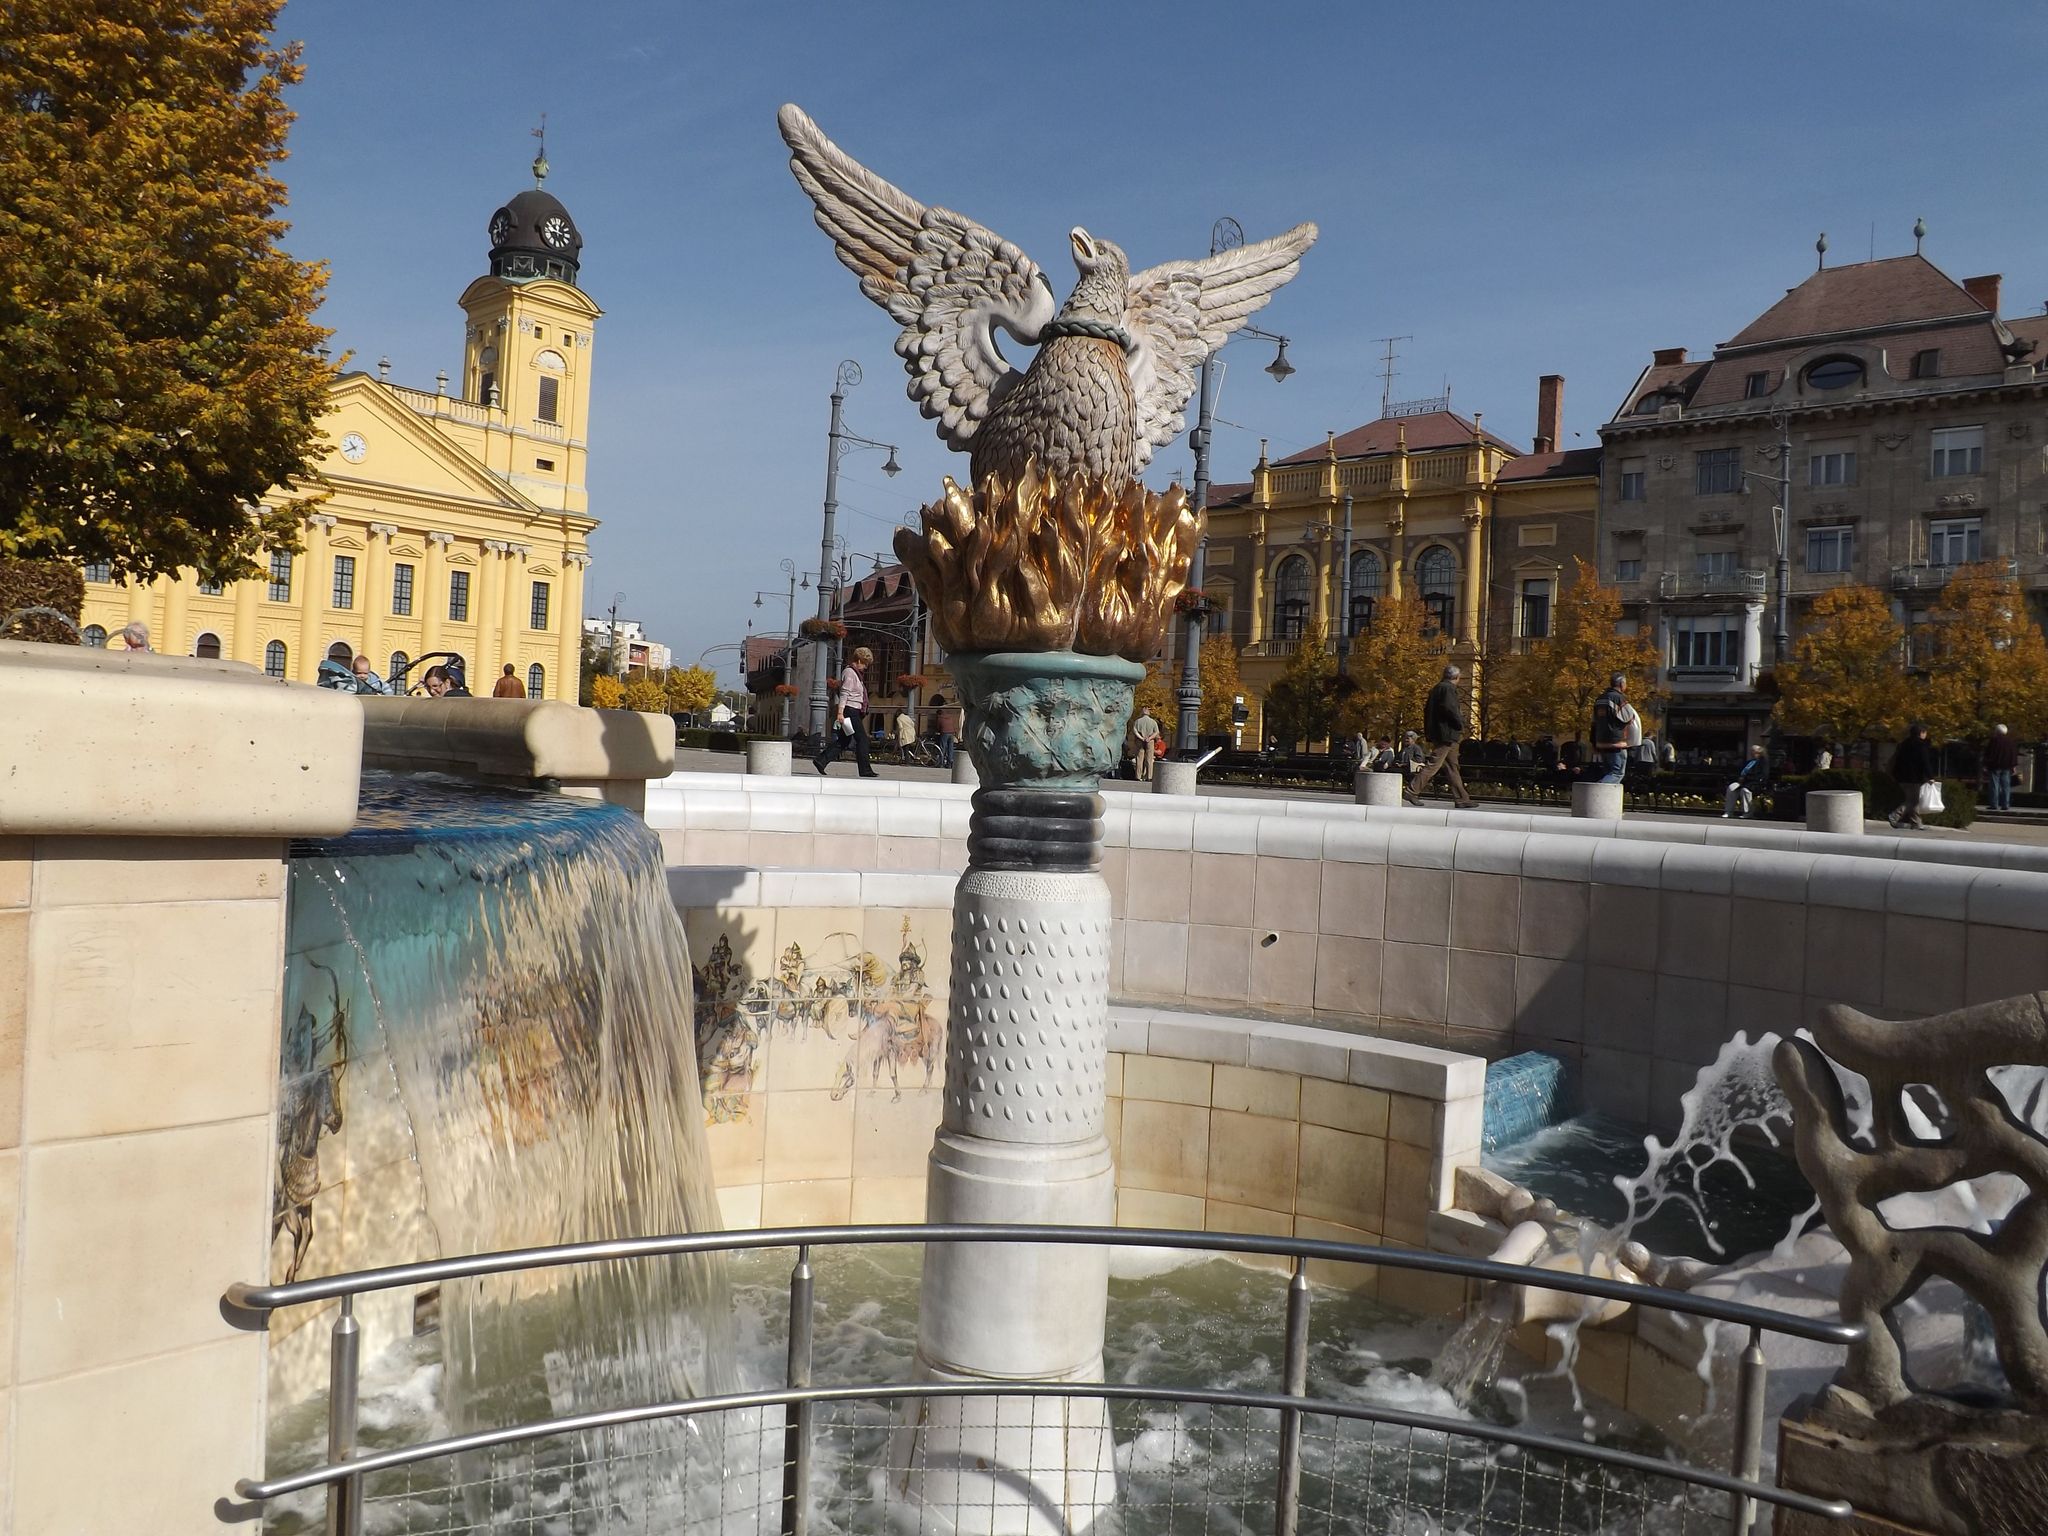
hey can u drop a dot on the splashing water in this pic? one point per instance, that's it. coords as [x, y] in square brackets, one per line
[488, 1006]
[1471, 1360]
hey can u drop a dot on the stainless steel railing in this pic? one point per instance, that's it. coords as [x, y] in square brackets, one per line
[344, 1471]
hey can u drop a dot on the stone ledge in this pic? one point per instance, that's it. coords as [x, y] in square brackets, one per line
[521, 740]
[118, 743]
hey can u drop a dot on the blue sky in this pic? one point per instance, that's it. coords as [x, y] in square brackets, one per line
[1522, 188]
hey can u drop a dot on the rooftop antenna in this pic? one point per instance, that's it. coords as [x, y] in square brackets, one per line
[1919, 234]
[1387, 372]
[540, 158]
[1821, 246]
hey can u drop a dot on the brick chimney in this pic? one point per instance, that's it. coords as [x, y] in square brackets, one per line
[1667, 357]
[1549, 412]
[1984, 290]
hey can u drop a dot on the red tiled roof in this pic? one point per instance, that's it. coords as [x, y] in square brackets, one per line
[2032, 328]
[1424, 434]
[1899, 290]
[1563, 465]
[1679, 379]
[1222, 493]
[1966, 351]
[759, 651]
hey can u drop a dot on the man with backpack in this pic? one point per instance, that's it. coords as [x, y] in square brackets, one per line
[1616, 728]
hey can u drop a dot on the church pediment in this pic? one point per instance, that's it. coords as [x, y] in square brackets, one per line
[407, 551]
[461, 559]
[377, 441]
[542, 570]
[343, 541]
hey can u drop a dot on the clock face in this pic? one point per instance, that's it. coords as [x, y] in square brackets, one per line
[501, 227]
[353, 447]
[555, 230]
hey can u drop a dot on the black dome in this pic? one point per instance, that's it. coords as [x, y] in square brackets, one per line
[533, 236]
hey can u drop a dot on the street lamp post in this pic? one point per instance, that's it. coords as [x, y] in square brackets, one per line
[838, 442]
[1225, 235]
[1781, 537]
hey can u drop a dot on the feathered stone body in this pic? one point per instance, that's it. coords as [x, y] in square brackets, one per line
[1073, 411]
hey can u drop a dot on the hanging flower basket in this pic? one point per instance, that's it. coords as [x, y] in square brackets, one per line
[1192, 602]
[911, 681]
[785, 690]
[822, 629]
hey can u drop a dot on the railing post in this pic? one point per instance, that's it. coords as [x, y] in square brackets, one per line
[796, 1433]
[344, 1495]
[1749, 1427]
[1287, 1493]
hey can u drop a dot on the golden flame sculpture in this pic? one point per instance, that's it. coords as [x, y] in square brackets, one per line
[1052, 563]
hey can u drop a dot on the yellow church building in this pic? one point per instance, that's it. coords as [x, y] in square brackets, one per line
[455, 522]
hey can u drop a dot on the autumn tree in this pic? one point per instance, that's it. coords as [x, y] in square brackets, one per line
[647, 696]
[1395, 661]
[1846, 680]
[1302, 703]
[1991, 664]
[1221, 684]
[163, 371]
[1156, 691]
[690, 689]
[1548, 688]
[606, 692]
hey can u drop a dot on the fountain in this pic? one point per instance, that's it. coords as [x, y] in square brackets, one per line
[487, 1046]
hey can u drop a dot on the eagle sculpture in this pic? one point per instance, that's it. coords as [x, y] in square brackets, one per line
[1115, 364]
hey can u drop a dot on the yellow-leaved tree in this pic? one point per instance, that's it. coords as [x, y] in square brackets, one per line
[606, 692]
[1548, 688]
[1220, 684]
[1395, 661]
[1155, 691]
[690, 689]
[1301, 706]
[1990, 664]
[646, 696]
[1846, 680]
[164, 374]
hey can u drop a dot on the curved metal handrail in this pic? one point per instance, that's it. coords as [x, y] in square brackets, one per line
[455, 1445]
[261, 1299]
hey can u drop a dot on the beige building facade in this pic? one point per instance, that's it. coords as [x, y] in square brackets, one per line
[454, 522]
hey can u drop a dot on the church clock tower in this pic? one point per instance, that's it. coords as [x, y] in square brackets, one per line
[526, 353]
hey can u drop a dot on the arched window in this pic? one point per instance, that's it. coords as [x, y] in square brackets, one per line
[207, 647]
[273, 658]
[399, 662]
[536, 682]
[342, 652]
[1834, 373]
[1290, 597]
[1436, 578]
[1367, 581]
[94, 635]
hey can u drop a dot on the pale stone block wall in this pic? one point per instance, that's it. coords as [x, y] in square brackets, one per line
[140, 986]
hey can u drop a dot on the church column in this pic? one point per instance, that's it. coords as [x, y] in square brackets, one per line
[516, 614]
[312, 595]
[1397, 549]
[172, 639]
[242, 644]
[436, 593]
[490, 612]
[1258, 631]
[1323, 580]
[567, 683]
[1475, 565]
[377, 592]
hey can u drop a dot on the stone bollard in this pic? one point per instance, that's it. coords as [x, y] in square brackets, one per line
[963, 767]
[1597, 802]
[768, 758]
[1835, 810]
[1369, 787]
[1173, 778]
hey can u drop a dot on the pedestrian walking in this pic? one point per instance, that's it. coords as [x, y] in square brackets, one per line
[1146, 731]
[2001, 759]
[507, 686]
[1742, 792]
[906, 735]
[1443, 722]
[1918, 773]
[948, 719]
[1616, 728]
[850, 716]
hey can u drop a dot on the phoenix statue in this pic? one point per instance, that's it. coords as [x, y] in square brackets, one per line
[1115, 364]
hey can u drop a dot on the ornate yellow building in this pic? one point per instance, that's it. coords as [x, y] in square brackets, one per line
[455, 522]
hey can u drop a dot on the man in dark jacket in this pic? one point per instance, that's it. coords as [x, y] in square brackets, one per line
[1913, 765]
[2001, 757]
[1616, 728]
[1443, 722]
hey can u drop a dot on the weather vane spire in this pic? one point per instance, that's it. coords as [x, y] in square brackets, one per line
[540, 159]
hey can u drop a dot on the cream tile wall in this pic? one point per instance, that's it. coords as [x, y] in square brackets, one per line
[139, 998]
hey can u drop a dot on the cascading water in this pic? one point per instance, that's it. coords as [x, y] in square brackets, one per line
[488, 1045]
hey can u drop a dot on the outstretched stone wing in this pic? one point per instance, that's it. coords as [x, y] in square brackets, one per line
[1179, 313]
[946, 280]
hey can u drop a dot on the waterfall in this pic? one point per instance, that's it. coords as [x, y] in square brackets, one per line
[488, 1024]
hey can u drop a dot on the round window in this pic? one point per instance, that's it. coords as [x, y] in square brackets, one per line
[1835, 373]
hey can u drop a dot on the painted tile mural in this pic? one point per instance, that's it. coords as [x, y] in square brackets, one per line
[815, 983]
